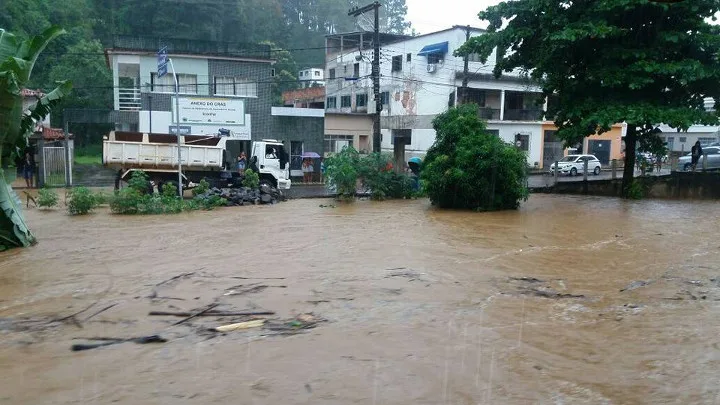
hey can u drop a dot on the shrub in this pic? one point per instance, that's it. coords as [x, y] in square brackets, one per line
[81, 201]
[47, 198]
[470, 169]
[201, 188]
[342, 171]
[251, 180]
[636, 191]
[139, 181]
[126, 201]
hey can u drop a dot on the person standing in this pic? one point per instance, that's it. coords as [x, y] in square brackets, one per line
[696, 153]
[322, 171]
[28, 169]
[305, 170]
[242, 163]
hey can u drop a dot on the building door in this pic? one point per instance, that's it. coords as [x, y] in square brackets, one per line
[552, 148]
[296, 151]
[601, 150]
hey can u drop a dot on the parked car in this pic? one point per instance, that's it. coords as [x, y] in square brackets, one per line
[575, 164]
[713, 160]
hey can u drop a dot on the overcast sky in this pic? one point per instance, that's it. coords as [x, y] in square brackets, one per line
[428, 16]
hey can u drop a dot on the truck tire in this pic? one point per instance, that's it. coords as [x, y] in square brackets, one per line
[268, 181]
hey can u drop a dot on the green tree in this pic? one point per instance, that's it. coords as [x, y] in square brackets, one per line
[85, 66]
[17, 58]
[468, 168]
[641, 62]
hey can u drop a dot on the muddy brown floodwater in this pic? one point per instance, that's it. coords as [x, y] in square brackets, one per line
[569, 300]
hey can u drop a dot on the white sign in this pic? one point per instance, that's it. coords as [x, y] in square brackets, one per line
[211, 111]
[162, 121]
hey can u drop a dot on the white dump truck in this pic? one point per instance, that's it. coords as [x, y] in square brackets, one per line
[213, 158]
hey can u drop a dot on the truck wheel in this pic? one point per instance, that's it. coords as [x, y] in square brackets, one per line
[268, 182]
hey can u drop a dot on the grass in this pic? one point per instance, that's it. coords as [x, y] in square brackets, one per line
[88, 155]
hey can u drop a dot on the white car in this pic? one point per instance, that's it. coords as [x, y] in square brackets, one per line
[575, 164]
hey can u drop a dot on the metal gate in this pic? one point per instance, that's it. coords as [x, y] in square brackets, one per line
[552, 148]
[54, 166]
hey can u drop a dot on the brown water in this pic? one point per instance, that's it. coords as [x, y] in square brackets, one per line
[422, 307]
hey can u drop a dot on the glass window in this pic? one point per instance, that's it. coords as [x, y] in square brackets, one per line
[235, 86]
[331, 73]
[296, 151]
[522, 142]
[493, 132]
[336, 143]
[345, 101]
[317, 73]
[361, 100]
[356, 70]
[271, 152]
[332, 102]
[397, 63]
[166, 84]
[385, 98]
[409, 57]
[683, 139]
[706, 140]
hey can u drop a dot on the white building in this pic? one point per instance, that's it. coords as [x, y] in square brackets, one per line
[311, 77]
[420, 78]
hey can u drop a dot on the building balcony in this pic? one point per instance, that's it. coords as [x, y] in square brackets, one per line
[522, 115]
[489, 113]
[129, 99]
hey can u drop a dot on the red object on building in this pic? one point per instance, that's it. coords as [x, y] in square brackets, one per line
[305, 98]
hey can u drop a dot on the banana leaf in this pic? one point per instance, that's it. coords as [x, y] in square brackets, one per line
[17, 59]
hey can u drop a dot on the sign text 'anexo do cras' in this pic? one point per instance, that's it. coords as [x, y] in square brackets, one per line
[220, 111]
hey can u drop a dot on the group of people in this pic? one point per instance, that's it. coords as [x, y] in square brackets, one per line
[308, 170]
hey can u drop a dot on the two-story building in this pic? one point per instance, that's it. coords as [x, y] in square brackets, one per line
[311, 77]
[232, 80]
[421, 78]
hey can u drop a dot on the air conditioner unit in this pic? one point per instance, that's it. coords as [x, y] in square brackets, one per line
[431, 67]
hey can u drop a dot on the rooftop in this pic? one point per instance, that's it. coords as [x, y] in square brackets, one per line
[180, 46]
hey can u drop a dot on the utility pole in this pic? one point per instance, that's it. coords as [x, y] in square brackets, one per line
[375, 68]
[466, 60]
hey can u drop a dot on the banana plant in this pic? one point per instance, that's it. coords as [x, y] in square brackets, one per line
[17, 59]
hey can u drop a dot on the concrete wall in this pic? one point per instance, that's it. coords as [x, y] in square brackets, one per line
[358, 126]
[678, 185]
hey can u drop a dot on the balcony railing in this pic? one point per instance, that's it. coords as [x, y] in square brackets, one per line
[523, 115]
[129, 99]
[488, 113]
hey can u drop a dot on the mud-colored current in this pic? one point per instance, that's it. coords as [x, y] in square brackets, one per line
[569, 300]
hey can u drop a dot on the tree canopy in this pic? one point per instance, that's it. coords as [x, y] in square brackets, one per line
[601, 62]
[468, 168]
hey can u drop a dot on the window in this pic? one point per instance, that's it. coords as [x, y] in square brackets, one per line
[332, 102]
[271, 152]
[345, 101]
[317, 73]
[397, 63]
[434, 58]
[356, 70]
[166, 84]
[235, 86]
[711, 151]
[336, 143]
[302, 74]
[361, 100]
[493, 132]
[331, 73]
[670, 142]
[409, 57]
[683, 139]
[522, 142]
[385, 98]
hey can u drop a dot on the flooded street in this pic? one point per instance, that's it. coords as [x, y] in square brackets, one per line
[570, 300]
